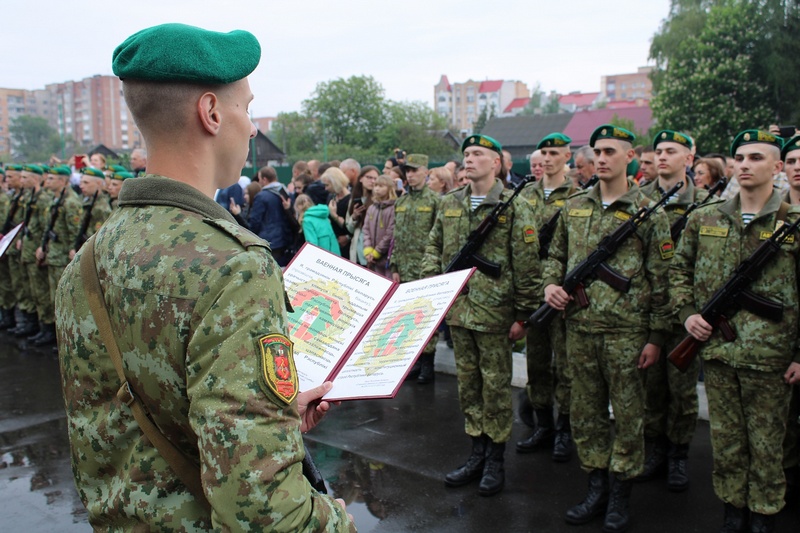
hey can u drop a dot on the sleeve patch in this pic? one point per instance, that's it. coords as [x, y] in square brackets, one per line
[277, 366]
[667, 249]
[529, 234]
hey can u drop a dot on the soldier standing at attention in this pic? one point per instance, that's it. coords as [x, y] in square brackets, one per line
[671, 407]
[618, 335]
[546, 352]
[414, 215]
[488, 317]
[748, 379]
[15, 270]
[93, 181]
[7, 300]
[196, 305]
[115, 180]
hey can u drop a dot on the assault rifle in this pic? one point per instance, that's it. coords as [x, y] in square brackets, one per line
[467, 256]
[29, 212]
[546, 234]
[735, 295]
[594, 266]
[7, 226]
[87, 217]
[49, 234]
[677, 227]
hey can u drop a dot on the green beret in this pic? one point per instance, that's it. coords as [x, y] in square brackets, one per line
[790, 146]
[181, 53]
[61, 170]
[13, 167]
[36, 169]
[482, 140]
[121, 175]
[2, 171]
[608, 131]
[554, 140]
[755, 136]
[116, 168]
[91, 171]
[45, 168]
[673, 137]
[416, 161]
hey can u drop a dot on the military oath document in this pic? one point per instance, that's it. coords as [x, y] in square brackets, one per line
[5, 242]
[358, 329]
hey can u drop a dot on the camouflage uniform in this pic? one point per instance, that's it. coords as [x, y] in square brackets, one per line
[195, 303]
[100, 212]
[39, 284]
[7, 299]
[748, 400]
[672, 406]
[480, 320]
[414, 215]
[66, 229]
[17, 272]
[546, 350]
[605, 339]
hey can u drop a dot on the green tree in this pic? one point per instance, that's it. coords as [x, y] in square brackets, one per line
[710, 88]
[534, 105]
[295, 133]
[414, 127]
[552, 106]
[348, 111]
[33, 139]
[486, 115]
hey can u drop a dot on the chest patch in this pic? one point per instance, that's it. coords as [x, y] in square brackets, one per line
[713, 231]
[452, 213]
[425, 209]
[580, 212]
[277, 366]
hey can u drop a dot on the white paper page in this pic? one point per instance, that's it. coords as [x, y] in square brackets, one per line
[5, 242]
[332, 300]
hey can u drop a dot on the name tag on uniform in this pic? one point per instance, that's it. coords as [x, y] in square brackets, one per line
[680, 211]
[452, 212]
[622, 215]
[559, 203]
[401, 209]
[532, 201]
[502, 219]
[580, 212]
[713, 231]
[765, 235]
[425, 209]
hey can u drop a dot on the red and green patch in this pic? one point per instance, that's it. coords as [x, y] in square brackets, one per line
[529, 234]
[277, 364]
[667, 249]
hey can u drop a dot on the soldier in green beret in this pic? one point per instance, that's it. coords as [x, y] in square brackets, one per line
[96, 202]
[7, 300]
[483, 320]
[615, 337]
[415, 214]
[546, 353]
[672, 405]
[196, 306]
[115, 180]
[748, 380]
[15, 216]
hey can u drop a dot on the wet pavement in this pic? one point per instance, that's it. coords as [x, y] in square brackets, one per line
[386, 458]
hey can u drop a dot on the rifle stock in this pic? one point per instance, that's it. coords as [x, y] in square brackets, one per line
[684, 353]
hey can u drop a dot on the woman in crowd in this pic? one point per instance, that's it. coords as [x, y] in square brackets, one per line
[707, 172]
[379, 226]
[360, 201]
[440, 180]
[242, 213]
[336, 182]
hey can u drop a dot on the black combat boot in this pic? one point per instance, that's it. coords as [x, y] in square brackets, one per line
[473, 468]
[29, 327]
[8, 322]
[48, 336]
[677, 470]
[525, 409]
[543, 435]
[618, 514]
[426, 374]
[494, 476]
[562, 447]
[37, 335]
[735, 520]
[414, 372]
[762, 523]
[595, 502]
[655, 464]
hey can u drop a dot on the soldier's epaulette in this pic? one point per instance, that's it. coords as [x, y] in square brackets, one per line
[244, 237]
[578, 193]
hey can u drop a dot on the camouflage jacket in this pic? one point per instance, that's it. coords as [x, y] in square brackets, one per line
[545, 209]
[5, 206]
[19, 218]
[34, 231]
[713, 244]
[490, 305]
[66, 227]
[676, 206]
[197, 307]
[414, 215]
[644, 258]
[100, 212]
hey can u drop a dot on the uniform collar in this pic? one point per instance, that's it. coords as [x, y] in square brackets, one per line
[733, 207]
[158, 190]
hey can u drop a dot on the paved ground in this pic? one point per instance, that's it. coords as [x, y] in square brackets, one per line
[386, 458]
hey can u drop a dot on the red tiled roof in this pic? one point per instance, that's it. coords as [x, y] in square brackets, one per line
[579, 99]
[583, 123]
[515, 103]
[490, 86]
[444, 79]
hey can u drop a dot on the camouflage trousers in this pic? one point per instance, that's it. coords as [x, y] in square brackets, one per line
[671, 405]
[548, 373]
[53, 276]
[604, 368]
[791, 443]
[747, 411]
[7, 298]
[483, 368]
[40, 292]
[21, 285]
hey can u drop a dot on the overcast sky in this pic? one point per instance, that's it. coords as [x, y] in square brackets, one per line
[406, 46]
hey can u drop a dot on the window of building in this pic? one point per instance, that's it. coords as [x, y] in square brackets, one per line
[470, 98]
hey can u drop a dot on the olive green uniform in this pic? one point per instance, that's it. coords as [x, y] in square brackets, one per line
[65, 230]
[7, 299]
[37, 278]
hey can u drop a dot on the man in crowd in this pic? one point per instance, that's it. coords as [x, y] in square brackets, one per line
[584, 164]
[267, 217]
[647, 166]
[139, 161]
[512, 179]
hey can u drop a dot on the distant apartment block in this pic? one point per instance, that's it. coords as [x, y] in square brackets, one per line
[630, 87]
[462, 103]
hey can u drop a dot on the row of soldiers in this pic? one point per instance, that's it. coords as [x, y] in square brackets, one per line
[56, 220]
[609, 342]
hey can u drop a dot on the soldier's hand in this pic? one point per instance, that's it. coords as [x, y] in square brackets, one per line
[395, 277]
[775, 129]
[71, 255]
[792, 375]
[344, 506]
[39, 254]
[311, 411]
[698, 328]
[517, 331]
[650, 355]
[556, 297]
[18, 244]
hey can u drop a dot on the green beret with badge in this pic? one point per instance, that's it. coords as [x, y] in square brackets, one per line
[94, 172]
[182, 53]
[61, 170]
[609, 131]
[13, 166]
[36, 169]
[482, 140]
[673, 137]
[116, 168]
[416, 161]
[790, 146]
[554, 140]
[755, 136]
[45, 169]
[121, 175]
